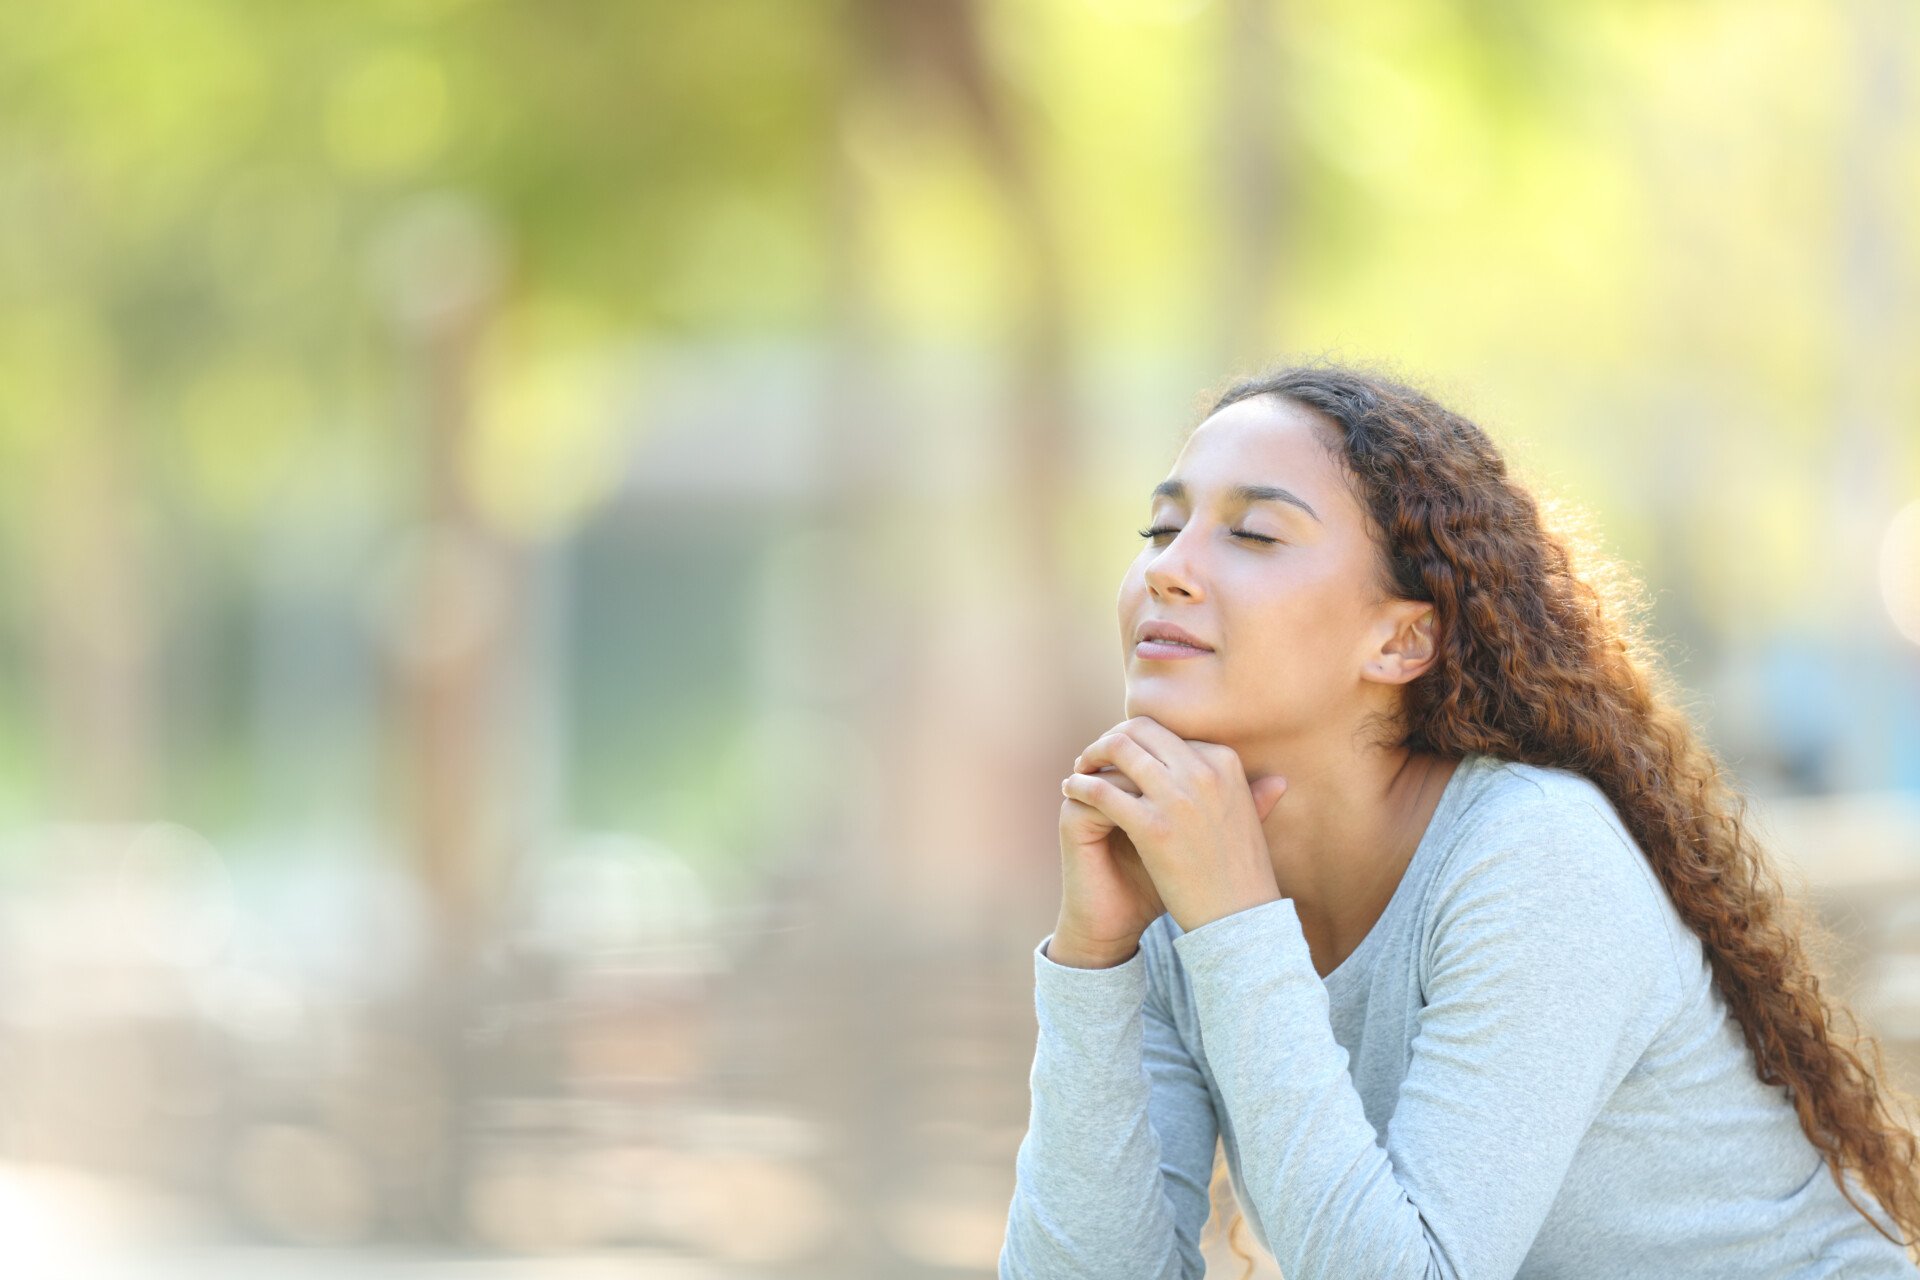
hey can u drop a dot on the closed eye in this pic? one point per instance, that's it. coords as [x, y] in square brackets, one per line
[1159, 530]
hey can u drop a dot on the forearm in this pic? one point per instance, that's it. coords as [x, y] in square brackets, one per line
[1089, 1197]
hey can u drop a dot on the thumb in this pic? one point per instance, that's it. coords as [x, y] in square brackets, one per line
[1266, 793]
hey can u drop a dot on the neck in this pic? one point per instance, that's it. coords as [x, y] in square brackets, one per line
[1343, 833]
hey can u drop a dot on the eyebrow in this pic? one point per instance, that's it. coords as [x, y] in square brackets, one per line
[1244, 493]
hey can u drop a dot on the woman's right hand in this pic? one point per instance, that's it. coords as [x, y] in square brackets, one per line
[1107, 899]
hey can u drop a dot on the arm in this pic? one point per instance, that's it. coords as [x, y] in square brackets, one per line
[1111, 1178]
[1543, 972]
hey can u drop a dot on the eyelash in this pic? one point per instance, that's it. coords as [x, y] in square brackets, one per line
[1238, 533]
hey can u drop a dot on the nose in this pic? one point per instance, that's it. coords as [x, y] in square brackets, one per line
[1171, 572]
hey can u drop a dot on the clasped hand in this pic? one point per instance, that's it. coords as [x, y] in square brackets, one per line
[1196, 821]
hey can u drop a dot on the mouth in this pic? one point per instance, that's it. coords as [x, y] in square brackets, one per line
[1159, 634]
[1156, 647]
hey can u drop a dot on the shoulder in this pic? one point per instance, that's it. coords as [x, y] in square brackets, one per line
[1546, 846]
[1529, 815]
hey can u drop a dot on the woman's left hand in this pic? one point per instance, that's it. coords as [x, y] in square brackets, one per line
[1196, 822]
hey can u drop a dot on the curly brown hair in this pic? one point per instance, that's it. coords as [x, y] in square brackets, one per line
[1543, 659]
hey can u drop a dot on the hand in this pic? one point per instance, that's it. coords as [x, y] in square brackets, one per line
[1191, 813]
[1107, 899]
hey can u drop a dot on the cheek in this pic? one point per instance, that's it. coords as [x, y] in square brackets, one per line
[1285, 638]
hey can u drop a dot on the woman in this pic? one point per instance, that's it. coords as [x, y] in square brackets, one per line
[1407, 882]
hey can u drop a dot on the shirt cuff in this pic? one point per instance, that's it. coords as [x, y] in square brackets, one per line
[1090, 1020]
[1117, 990]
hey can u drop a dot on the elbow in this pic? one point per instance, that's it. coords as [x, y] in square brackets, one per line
[1180, 1261]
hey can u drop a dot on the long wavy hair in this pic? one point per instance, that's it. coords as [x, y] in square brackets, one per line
[1543, 659]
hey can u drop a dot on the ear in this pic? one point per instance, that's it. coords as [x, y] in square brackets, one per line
[1412, 644]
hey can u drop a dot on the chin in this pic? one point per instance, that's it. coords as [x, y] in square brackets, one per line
[1185, 716]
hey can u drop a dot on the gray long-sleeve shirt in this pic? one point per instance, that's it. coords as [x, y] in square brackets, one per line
[1524, 1069]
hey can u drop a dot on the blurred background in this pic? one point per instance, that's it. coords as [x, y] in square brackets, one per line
[555, 555]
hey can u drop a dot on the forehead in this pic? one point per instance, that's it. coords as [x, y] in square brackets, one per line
[1262, 440]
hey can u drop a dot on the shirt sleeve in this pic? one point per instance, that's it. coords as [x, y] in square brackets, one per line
[1112, 1176]
[1542, 974]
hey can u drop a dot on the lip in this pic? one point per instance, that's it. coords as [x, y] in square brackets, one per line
[1168, 651]
[1154, 629]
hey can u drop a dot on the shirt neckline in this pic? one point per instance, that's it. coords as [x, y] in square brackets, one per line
[1443, 813]
[1451, 798]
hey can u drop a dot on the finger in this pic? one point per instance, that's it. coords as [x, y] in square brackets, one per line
[1125, 727]
[1224, 759]
[1127, 811]
[1216, 758]
[1266, 793]
[1128, 756]
[1145, 732]
[1112, 774]
[1167, 746]
[1112, 777]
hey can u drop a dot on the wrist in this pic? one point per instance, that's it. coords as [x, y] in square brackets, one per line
[1075, 955]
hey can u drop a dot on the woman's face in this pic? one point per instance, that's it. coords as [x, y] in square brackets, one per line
[1291, 622]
